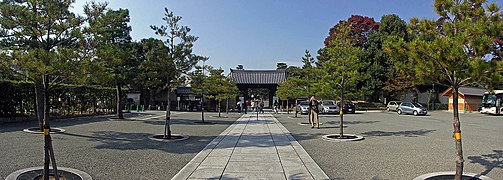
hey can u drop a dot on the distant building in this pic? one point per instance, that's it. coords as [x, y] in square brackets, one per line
[469, 98]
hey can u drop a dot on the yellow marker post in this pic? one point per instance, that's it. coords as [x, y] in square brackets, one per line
[46, 131]
[457, 136]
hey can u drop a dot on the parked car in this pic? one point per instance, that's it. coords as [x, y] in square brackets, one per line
[393, 105]
[329, 107]
[411, 108]
[348, 107]
[303, 107]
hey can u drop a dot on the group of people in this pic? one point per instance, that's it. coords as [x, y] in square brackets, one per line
[255, 105]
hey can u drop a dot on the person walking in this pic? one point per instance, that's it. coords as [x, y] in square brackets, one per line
[275, 106]
[313, 106]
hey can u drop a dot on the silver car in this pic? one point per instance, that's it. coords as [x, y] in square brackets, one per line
[411, 108]
[393, 105]
[329, 107]
[303, 107]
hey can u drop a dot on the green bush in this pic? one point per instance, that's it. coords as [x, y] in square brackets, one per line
[18, 98]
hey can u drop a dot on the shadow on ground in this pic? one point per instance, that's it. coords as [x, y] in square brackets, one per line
[139, 141]
[411, 133]
[489, 161]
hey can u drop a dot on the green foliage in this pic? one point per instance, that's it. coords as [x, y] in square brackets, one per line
[16, 98]
[342, 70]
[112, 41]
[290, 89]
[41, 38]
[179, 44]
[216, 86]
[454, 47]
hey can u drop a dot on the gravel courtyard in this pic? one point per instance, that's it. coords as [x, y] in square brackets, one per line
[401, 146]
[395, 146]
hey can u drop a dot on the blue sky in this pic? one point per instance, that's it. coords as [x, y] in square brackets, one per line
[260, 33]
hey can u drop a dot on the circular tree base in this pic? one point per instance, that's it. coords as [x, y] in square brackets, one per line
[345, 138]
[35, 173]
[174, 137]
[306, 123]
[448, 175]
[36, 130]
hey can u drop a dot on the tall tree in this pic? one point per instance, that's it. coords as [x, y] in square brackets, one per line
[179, 44]
[340, 75]
[453, 49]
[41, 38]
[361, 27]
[379, 68]
[113, 50]
[155, 66]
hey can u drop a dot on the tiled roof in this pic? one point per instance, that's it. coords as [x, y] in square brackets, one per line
[258, 76]
[470, 91]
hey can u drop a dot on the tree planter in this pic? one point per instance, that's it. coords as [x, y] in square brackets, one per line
[174, 137]
[448, 175]
[36, 130]
[36, 173]
[345, 138]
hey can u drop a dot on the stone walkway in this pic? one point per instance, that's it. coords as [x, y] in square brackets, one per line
[253, 149]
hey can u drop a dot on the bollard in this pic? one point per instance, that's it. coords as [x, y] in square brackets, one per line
[137, 108]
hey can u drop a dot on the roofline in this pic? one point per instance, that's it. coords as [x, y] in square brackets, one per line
[258, 70]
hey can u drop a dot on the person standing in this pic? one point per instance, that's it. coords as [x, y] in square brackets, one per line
[239, 105]
[253, 104]
[313, 106]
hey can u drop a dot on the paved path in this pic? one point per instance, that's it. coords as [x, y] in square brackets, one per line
[253, 149]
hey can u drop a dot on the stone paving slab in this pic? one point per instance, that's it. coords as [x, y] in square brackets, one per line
[253, 148]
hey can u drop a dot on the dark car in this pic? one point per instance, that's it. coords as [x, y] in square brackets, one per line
[348, 107]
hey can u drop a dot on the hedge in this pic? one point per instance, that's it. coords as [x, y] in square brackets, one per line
[18, 98]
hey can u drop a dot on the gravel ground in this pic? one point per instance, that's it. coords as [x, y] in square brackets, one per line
[113, 149]
[401, 146]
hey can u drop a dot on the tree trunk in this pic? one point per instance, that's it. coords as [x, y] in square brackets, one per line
[227, 107]
[48, 150]
[39, 103]
[119, 100]
[457, 135]
[167, 123]
[219, 108]
[341, 111]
